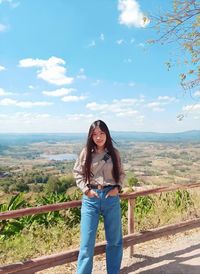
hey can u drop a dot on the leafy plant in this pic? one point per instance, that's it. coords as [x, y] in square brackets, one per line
[11, 227]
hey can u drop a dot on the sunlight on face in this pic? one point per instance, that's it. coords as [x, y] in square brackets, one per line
[99, 138]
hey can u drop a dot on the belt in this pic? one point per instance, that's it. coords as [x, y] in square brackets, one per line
[99, 186]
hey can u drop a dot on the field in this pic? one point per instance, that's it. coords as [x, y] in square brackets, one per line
[152, 163]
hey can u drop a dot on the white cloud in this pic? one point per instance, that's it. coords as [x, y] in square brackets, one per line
[23, 104]
[7, 102]
[12, 3]
[58, 92]
[128, 61]
[3, 93]
[127, 113]
[197, 93]
[155, 106]
[28, 122]
[102, 37]
[2, 68]
[159, 104]
[51, 70]
[3, 28]
[123, 107]
[92, 44]
[120, 41]
[79, 116]
[131, 15]
[166, 99]
[31, 87]
[73, 98]
[142, 45]
[29, 104]
[81, 74]
[194, 109]
[81, 70]
[95, 106]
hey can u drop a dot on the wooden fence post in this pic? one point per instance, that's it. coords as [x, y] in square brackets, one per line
[131, 204]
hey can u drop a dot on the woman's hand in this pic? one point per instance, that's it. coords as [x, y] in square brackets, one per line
[113, 192]
[91, 194]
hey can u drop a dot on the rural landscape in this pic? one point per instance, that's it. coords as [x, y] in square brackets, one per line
[37, 170]
[133, 64]
[33, 165]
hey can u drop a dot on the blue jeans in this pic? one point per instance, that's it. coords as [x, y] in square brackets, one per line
[90, 212]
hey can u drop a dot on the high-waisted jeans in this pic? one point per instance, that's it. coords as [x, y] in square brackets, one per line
[90, 211]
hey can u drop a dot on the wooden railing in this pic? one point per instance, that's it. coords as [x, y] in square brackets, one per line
[44, 262]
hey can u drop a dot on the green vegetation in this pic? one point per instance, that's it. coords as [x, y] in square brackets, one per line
[12, 227]
[46, 233]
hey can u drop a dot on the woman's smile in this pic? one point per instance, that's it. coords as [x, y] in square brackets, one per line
[99, 137]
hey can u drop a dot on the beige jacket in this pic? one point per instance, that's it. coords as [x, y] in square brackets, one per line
[101, 176]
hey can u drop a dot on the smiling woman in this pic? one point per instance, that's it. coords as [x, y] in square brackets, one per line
[99, 138]
[99, 174]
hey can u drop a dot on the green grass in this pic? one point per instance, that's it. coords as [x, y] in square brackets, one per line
[150, 212]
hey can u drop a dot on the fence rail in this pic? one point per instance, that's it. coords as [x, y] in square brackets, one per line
[44, 262]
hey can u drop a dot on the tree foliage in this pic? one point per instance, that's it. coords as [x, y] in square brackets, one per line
[182, 26]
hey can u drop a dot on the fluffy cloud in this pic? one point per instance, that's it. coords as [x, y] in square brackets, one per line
[79, 116]
[2, 68]
[81, 74]
[2, 92]
[23, 104]
[123, 107]
[194, 109]
[121, 41]
[51, 70]
[155, 106]
[58, 92]
[73, 98]
[102, 37]
[159, 104]
[131, 15]
[92, 44]
[166, 99]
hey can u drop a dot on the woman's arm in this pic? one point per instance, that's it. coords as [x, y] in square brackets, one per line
[121, 170]
[78, 172]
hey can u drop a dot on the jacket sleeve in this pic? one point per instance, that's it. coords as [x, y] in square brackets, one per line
[121, 169]
[78, 171]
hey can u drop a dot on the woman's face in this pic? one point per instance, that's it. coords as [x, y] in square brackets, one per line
[99, 138]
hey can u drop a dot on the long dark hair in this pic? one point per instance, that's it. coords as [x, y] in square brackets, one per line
[91, 146]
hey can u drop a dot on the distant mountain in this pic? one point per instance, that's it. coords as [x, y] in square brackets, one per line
[192, 136]
[10, 139]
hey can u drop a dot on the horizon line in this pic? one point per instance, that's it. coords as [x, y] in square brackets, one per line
[114, 131]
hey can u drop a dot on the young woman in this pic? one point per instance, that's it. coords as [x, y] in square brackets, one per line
[99, 174]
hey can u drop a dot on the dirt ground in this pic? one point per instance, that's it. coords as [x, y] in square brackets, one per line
[179, 254]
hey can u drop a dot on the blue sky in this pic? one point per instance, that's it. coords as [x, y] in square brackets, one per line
[66, 63]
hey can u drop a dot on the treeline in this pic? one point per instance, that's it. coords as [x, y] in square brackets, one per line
[37, 182]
